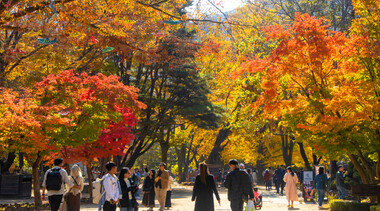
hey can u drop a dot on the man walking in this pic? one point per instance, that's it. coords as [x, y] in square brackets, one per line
[340, 175]
[54, 182]
[320, 183]
[238, 185]
[111, 188]
[161, 185]
[279, 179]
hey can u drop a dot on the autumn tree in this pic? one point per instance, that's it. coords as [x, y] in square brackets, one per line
[313, 76]
[29, 127]
[68, 112]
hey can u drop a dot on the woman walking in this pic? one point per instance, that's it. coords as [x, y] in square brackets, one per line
[204, 188]
[128, 189]
[291, 189]
[267, 180]
[320, 183]
[148, 190]
[74, 195]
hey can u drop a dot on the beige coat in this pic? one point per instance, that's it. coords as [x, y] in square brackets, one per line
[164, 180]
[291, 187]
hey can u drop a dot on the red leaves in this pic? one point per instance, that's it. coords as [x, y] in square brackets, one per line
[68, 110]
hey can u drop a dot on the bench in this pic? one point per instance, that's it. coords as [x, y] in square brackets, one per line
[366, 190]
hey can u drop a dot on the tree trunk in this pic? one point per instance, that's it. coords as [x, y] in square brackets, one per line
[164, 151]
[367, 167]
[359, 168]
[90, 179]
[8, 163]
[21, 160]
[260, 167]
[117, 160]
[131, 161]
[333, 169]
[181, 163]
[304, 156]
[316, 160]
[36, 181]
[378, 164]
[287, 143]
[215, 157]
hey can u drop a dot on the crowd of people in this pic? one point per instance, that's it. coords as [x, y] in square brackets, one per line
[64, 190]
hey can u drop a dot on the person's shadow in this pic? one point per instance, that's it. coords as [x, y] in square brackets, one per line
[294, 208]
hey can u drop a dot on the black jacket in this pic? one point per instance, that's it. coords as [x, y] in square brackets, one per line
[238, 184]
[340, 179]
[279, 175]
[148, 184]
[203, 193]
[124, 202]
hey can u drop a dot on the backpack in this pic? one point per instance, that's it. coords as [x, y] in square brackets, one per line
[54, 180]
[97, 190]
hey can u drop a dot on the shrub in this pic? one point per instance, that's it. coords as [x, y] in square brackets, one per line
[339, 205]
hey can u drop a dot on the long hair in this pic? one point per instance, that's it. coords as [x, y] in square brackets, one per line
[122, 172]
[321, 170]
[203, 172]
[291, 170]
[154, 173]
[76, 171]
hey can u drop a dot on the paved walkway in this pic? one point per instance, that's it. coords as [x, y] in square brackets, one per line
[181, 201]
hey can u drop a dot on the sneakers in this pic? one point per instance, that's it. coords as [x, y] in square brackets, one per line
[320, 207]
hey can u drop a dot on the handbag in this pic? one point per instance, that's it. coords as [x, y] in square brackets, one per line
[63, 206]
[250, 206]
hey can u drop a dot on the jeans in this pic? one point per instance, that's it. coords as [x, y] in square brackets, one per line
[341, 192]
[321, 196]
[237, 205]
[108, 206]
[55, 202]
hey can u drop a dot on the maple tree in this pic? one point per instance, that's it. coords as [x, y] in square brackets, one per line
[84, 117]
[28, 127]
[313, 75]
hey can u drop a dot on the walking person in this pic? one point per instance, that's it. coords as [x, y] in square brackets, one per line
[111, 187]
[203, 190]
[148, 190]
[238, 185]
[320, 183]
[74, 195]
[249, 172]
[291, 186]
[136, 176]
[271, 172]
[279, 178]
[54, 182]
[128, 189]
[254, 177]
[161, 185]
[267, 179]
[340, 176]
[168, 201]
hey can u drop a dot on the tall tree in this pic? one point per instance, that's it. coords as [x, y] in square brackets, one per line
[330, 96]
